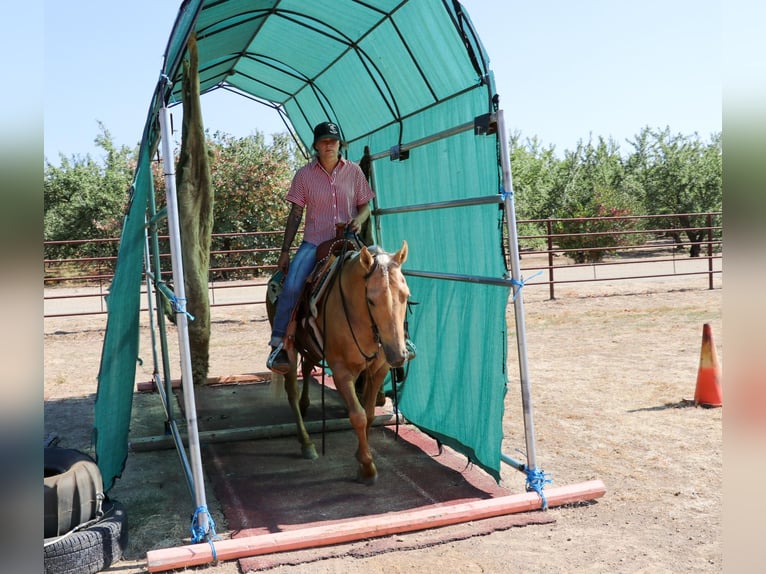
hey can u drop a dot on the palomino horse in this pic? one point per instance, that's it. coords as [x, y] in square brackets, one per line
[358, 330]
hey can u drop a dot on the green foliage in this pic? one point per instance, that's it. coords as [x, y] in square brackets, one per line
[612, 233]
[590, 185]
[86, 200]
[665, 173]
[679, 174]
[534, 171]
[251, 180]
[534, 177]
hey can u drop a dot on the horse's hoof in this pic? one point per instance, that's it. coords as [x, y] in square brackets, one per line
[367, 479]
[309, 452]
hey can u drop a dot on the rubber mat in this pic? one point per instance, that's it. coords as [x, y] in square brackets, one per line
[265, 486]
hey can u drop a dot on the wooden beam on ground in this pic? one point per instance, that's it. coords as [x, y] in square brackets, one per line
[433, 516]
[163, 442]
[148, 386]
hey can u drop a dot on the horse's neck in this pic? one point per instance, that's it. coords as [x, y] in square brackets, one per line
[351, 288]
[346, 302]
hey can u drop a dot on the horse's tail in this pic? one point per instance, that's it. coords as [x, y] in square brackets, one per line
[277, 385]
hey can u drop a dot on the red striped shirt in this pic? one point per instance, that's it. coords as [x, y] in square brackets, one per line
[328, 198]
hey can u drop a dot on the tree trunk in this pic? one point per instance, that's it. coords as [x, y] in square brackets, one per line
[694, 236]
[195, 207]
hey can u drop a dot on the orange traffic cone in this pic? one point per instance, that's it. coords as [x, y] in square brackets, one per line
[708, 391]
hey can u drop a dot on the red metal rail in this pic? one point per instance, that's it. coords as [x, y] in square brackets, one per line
[77, 285]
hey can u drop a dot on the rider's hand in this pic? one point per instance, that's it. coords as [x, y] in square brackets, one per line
[353, 226]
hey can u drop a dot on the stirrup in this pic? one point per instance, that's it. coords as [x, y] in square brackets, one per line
[279, 367]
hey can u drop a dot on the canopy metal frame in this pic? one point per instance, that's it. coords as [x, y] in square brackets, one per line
[192, 463]
[484, 126]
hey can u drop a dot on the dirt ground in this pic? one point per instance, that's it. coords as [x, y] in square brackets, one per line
[612, 368]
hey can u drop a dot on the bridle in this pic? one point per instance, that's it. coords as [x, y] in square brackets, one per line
[375, 330]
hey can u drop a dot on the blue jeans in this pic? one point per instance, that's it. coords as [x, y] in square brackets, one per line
[300, 267]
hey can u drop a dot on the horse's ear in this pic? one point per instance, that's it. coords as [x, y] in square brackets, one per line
[366, 258]
[401, 255]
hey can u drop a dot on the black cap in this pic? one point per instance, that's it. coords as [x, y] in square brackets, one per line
[326, 130]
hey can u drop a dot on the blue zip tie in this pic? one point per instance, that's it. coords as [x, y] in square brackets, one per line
[505, 194]
[521, 284]
[536, 480]
[179, 306]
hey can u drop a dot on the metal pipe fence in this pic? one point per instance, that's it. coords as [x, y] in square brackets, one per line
[554, 252]
[639, 242]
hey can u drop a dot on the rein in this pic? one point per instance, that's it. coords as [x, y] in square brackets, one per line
[375, 331]
[367, 358]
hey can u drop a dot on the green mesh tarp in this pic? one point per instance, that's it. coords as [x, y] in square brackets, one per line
[389, 72]
[456, 385]
[116, 376]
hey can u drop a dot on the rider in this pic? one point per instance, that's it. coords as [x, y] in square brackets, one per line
[332, 190]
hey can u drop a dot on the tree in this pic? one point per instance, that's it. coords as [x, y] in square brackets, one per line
[590, 186]
[251, 179]
[86, 200]
[534, 169]
[679, 174]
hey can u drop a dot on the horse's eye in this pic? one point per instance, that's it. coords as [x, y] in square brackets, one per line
[370, 302]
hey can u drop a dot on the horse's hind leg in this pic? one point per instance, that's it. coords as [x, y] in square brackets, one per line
[308, 450]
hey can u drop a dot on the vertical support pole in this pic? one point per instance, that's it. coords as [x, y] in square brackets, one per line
[549, 228]
[374, 219]
[710, 250]
[150, 295]
[182, 324]
[513, 239]
[161, 327]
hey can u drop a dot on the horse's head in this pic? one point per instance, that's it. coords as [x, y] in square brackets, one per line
[387, 295]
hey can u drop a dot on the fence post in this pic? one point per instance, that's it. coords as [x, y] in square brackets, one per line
[550, 259]
[710, 250]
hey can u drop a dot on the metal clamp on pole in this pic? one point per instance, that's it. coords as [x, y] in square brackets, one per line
[397, 153]
[485, 124]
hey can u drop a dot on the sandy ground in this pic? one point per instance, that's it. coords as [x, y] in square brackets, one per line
[612, 366]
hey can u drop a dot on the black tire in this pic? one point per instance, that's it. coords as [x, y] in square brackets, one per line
[91, 549]
[73, 490]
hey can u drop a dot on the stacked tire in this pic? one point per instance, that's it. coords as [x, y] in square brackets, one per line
[84, 531]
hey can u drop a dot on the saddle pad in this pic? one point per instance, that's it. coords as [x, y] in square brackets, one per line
[320, 283]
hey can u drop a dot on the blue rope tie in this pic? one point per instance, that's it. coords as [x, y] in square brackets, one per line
[520, 284]
[179, 306]
[198, 534]
[536, 480]
[505, 194]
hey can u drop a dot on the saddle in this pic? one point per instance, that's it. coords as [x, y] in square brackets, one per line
[329, 255]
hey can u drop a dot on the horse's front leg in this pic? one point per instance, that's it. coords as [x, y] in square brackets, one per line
[308, 450]
[371, 392]
[367, 473]
[305, 401]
